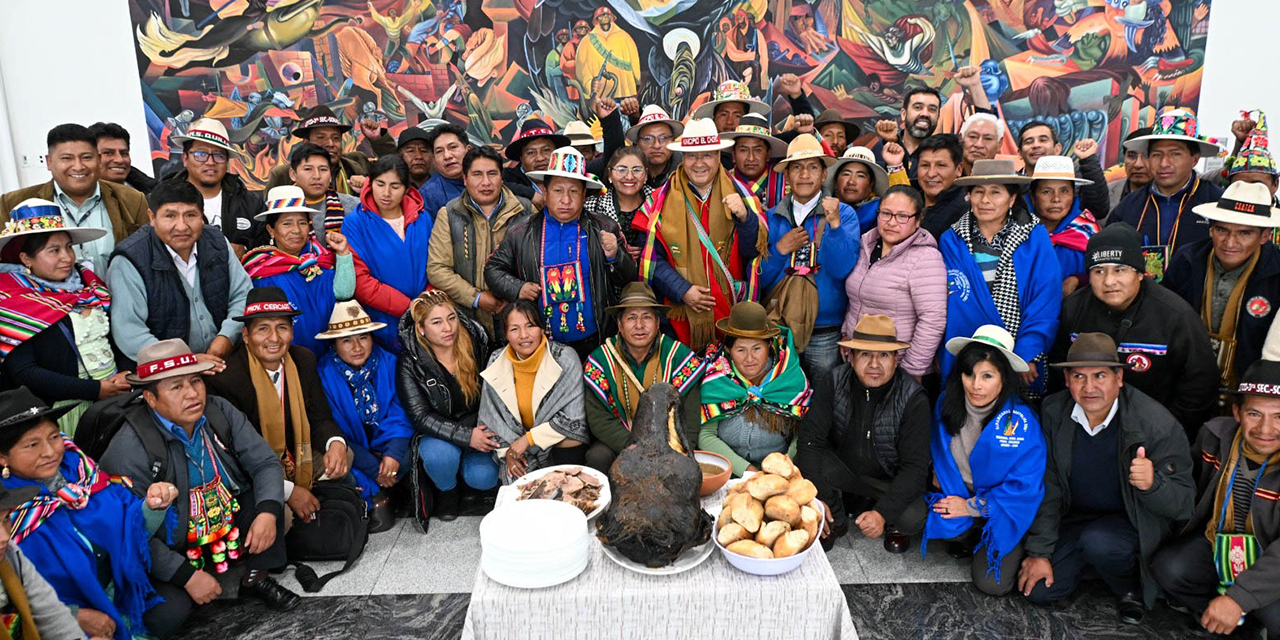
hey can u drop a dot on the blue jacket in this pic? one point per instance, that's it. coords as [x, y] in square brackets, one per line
[436, 192]
[837, 256]
[315, 299]
[970, 305]
[867, 213]
[400, 264]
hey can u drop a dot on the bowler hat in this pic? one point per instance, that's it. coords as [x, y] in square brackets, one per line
[748, 320]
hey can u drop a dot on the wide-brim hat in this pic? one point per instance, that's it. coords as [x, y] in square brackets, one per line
[19, 407]
[992, 336]
[319, 116]
[1174, 125]
[995, 171]
[700, 135]
[349, 319]
[1057, 168]
[35, 216]
[1246, 203]
[267, 302]
[875, 333]
[166, 359]
[731, 91]
[1262, 378]
[748, 320]
[805, 147]
[531, 130]
[284, 199]
[754, 125]
[831, 116]
[1092, 350]
[579, 134]
[209, 131]
[567, 162]
[638, 295]
[653, 114]
[863, 155]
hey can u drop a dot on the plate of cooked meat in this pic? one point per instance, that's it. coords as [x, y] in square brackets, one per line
[582, 487]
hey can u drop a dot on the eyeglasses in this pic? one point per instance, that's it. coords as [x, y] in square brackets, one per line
[624, 171]
[203, 156]
[898, 217]
[653, 139]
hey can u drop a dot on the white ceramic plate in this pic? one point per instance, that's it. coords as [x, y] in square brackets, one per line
[601, 503]
[687, 560]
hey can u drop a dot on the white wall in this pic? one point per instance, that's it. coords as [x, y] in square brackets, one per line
[1240, 61]
[73, 61]
[64, 61]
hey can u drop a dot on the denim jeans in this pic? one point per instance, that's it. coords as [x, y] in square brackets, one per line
[821, 355]
[441, 460]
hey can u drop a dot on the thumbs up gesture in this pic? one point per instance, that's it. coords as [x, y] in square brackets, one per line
[1142, 474]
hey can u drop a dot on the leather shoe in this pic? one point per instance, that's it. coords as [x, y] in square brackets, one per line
[837, 532]
[896, 541]
[264, 587]
[1131, 609]
[447, 504]
[960, 549]
[381, 516]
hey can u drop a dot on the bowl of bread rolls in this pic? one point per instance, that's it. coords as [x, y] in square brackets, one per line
[771, 520]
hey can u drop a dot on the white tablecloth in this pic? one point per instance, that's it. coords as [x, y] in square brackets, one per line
[713, 600]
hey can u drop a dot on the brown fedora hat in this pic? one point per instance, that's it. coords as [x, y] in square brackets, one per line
[1092, 350]
[992, 172]
[638, 295]
[875, 333]
[748, 320]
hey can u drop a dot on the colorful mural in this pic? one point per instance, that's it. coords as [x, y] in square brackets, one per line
[1093, 68]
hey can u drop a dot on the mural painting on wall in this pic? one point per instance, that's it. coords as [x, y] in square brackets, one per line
[1092, 68]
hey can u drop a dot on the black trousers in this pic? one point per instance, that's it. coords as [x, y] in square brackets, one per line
[275, 556]
[1108, 543]
[833, 478]
[166, 618]
[1184, 569]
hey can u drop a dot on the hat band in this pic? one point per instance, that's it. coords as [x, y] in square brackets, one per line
[350, 324]
[37, 223]
[991, 341]
[208, 136]
[321, 121]
[1092, 356]
[752, 129]
[1054, 175]
[540, 131]
[267, 307]
[29, 212]
[736, 95]
[1239, 206]
[874, 337]
[1260, 388]
[154, 367]
[283, 203]
[23, 417]
[654, 117]
[700, 141]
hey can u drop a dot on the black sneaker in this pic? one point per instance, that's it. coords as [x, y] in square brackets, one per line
[1131, 608]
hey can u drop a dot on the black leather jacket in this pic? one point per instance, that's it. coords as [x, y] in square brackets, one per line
[424, 390]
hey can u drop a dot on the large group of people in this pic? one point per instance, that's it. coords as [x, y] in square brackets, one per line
[963, 336]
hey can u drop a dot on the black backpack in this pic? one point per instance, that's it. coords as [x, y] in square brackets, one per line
[103, 419]
[338, 531]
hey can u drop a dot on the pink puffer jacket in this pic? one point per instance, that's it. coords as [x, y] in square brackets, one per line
[908, 285]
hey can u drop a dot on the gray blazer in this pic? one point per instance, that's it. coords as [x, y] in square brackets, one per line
[253, 474]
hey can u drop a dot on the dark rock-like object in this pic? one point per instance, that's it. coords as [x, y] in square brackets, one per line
[655, 514]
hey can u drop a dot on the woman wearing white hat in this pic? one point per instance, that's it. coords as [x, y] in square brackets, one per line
[988, 459]
[859, 181]
[1053, 200]
[1000, 268]
[359, 379]
[313, 277]
[53, 313]
[702, 217]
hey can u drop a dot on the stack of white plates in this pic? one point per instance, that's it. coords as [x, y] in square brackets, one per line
[532, 544]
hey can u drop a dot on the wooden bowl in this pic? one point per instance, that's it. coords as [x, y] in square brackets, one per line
[712, 484]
